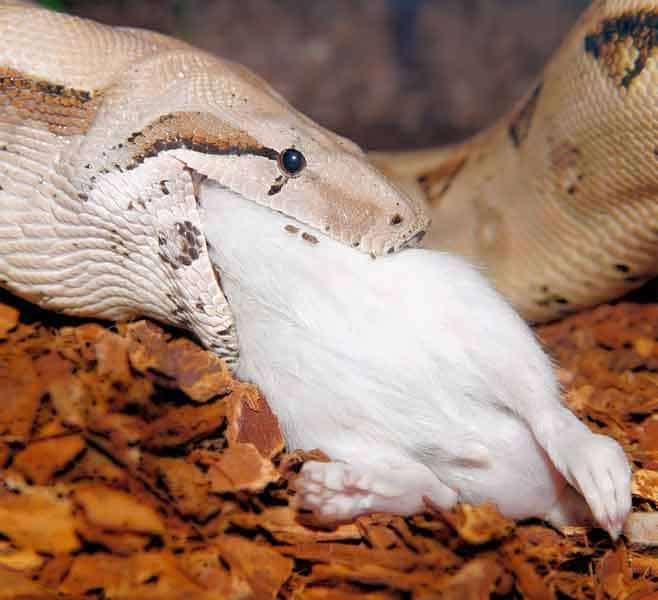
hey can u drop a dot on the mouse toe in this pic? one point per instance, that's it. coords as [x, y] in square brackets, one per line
[342, 491]
[598, 468]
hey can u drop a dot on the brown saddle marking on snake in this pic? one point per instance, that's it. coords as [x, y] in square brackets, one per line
[519, 128]
[64, 110]
[436, 182]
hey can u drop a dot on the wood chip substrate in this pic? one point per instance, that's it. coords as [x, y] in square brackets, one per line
[133, 466]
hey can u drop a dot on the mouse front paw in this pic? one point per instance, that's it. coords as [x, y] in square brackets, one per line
[341, 491]
[597, 466]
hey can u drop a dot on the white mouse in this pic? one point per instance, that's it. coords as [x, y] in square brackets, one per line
[410, 371]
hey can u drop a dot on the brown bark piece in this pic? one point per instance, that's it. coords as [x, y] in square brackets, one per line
[109, 349]
[479, 525]
[54, 571]
[198, 373]
[118, 543]
[5, 453]
[36, 518]
[478, 579]
[254, 422]
[645, 484]
[149, 575]
[333, 553]
[283, 525]
[139, 469]
[21, 392]
[204, 567]
[613, 574]
[344, 592]
[183, 484]
[71, 399]
[647, 437]
[183, 425]
[15, 585]
[95, 466]
[642, 563]
[20, 560]
[528, 582]
[127, 512]
[43, 458]
[262, 567]
[8, 319]
[236, 469]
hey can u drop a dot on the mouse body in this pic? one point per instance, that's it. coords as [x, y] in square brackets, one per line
[410, 371]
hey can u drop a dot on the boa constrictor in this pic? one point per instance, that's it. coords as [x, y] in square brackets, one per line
[131, 163]
[559, 199]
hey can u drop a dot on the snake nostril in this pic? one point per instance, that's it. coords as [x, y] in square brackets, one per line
[396, 219]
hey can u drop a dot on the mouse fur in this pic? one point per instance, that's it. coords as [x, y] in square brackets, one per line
[410, 371]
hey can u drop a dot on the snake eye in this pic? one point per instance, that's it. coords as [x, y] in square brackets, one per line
[292, 162]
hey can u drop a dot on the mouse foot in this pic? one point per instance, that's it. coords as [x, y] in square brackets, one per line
[340, 491]
[597, 467]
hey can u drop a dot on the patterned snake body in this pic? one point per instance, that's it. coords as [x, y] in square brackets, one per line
[559, 199]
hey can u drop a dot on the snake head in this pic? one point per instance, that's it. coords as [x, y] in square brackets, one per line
[321, 180]
[225, 123]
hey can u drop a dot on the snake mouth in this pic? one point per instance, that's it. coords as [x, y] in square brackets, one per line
[415, 240]
[361, 243]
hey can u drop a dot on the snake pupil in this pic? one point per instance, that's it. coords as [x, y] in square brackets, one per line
[292, 161]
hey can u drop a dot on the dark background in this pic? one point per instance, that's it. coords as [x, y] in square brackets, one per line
[387, 73]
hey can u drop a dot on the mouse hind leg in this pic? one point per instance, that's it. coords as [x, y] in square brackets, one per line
[593, 464]
[340, 491]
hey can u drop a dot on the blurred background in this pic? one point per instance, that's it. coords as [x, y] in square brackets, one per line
[386, 73]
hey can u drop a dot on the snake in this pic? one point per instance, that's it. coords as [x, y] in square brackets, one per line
[106, 134]
[558, 200]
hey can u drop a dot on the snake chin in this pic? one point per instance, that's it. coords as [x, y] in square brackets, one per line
[410, 371]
